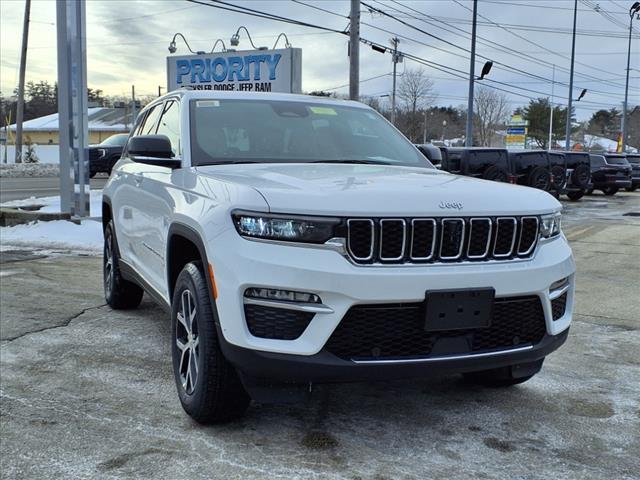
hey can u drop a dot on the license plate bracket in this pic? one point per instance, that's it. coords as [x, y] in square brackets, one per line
[458, 309]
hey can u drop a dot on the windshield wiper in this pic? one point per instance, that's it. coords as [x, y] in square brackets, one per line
[234, 162]
[365, 162]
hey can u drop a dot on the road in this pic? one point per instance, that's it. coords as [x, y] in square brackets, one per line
[26, 187]
[88, 392]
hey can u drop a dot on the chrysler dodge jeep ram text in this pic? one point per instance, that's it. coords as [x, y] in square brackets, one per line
[299, 240]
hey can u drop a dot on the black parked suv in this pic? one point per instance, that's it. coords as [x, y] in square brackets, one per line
[634, 161]
[431, 152]
[531, 168]
[609, 172]
[102, 157]
[578, 177]
[486, 163]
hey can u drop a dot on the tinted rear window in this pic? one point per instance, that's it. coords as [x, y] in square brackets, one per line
[617, 160]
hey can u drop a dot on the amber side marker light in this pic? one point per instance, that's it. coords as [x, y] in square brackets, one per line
[214, 289]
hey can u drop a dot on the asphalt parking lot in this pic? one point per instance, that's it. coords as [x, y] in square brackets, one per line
[87, 392]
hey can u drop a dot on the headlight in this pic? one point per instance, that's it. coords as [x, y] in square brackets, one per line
[288, 228]
[550, 225]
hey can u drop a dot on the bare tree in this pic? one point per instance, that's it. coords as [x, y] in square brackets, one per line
[415, 90]
[491, 110]
[415, 93]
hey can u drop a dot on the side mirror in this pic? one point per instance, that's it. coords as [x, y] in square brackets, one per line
[152, 150]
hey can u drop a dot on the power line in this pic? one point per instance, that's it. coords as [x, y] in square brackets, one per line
[499, 47]
[443, 68]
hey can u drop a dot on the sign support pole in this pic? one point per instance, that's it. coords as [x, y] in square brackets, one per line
[72, 107]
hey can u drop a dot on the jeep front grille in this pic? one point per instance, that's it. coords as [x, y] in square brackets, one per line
[429, 240]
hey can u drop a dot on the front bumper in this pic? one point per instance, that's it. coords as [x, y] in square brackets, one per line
[613, 182]
[324, 367]
[342, 285]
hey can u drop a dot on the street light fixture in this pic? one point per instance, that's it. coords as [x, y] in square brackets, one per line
[635, 8]
[582, 94]
[485, 70]
[235, 39]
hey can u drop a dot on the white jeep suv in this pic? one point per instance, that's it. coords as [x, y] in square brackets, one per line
[298, 240]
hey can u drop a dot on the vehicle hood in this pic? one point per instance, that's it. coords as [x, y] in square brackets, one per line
[379, 190]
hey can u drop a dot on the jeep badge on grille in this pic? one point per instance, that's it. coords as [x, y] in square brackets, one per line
[456, 205]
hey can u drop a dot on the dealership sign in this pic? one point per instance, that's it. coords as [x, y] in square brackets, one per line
[517, 132]
[247, 71]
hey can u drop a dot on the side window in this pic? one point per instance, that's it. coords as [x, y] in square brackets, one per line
[169, 125]
[139, 124]
[149, 125]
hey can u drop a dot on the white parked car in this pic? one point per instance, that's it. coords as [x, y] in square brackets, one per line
[298, 240]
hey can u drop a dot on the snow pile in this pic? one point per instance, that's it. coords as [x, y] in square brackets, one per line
[52, 204]
[56, 235]
[29, 170]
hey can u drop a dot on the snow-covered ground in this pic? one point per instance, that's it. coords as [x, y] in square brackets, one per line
[29, 170]
[59, 235]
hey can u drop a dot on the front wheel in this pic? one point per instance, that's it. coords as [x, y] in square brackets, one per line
[119, 293]
[575, 195]
[504, 376]
[609, 191]
[209, 388]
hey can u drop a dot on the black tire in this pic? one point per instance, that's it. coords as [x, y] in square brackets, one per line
[589, 191]
[540, 178]
[504, 376]
[610, 191]
[92, 174]
[119, 293]
[576, 195]
[581, 175]
[631, 189]
[496, 174]
[216, 395]
[559, 176]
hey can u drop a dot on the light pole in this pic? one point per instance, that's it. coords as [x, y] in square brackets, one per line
[567, 145]
[354, 51]
[553, 84]
[469, 132]
[635, 8]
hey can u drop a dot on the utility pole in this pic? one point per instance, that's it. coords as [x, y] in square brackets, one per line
[72, 107]
[159, 90]
[424, 131]
[468, 141]
[635, 8]
[354, 51]
[396, 58]
[133, 105]
[567, 145]
[553, 84]
[23, 69]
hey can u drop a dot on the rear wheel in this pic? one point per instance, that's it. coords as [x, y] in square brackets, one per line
[540, 178]
[119, 293]
[589, 191]
[581, 175]
[494, 173]
[504, 376]
[209, 388]
[575, 195]
[609, 191]
[559, 176]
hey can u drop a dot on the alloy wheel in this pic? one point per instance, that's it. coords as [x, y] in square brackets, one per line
[108, 265]
[187, 342]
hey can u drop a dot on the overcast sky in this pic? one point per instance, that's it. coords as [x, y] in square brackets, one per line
[127, 44]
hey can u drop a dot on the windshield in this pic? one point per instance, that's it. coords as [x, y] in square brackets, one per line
[116, 140]
[268, 131]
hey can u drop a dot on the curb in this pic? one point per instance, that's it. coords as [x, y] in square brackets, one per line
[17, 216]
